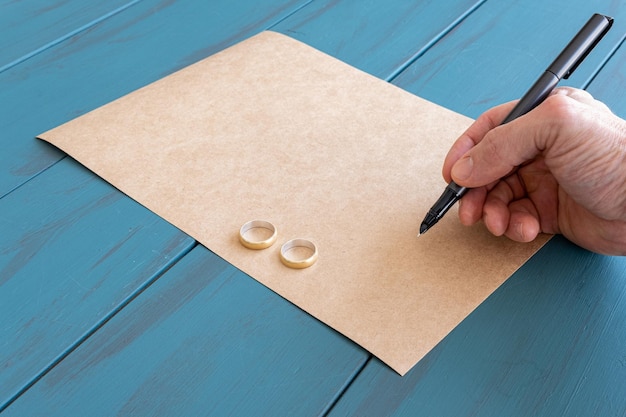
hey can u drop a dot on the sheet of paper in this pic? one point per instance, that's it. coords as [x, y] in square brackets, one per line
[273, 129]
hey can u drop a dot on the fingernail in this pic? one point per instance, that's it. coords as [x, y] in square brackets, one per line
[463, 168]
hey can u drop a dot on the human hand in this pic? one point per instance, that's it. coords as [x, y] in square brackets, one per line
[561, 168]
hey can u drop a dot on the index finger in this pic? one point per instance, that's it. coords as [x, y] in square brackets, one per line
[474, 134]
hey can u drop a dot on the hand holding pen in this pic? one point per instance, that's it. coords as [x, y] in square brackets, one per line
[562, 67]
[571, 154]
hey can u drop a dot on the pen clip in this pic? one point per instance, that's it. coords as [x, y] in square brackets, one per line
[597, 39]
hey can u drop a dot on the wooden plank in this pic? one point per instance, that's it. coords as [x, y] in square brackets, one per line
[377, 37]
[29, 26]
[102, 86]
[499, 51]
[127, 51]
[73, 249]
[85, 47]
[551, 340]
[205, 339]
[610, 84]
[137, 41]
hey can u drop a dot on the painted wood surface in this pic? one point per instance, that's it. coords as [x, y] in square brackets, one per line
[378, 37]
[497, 53]
[118, 55]
[81, 46]
[72, 250]
[197, 342]
[70, 79]
[209, 340]
[551, 340]
[54, 21]
[610, 84]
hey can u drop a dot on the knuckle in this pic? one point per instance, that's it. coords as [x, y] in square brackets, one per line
[561, 108]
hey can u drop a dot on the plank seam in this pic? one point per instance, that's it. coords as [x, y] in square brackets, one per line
[602, 64]
[83, 28]
[26, 181]
[99, 324]
[434, 41]
[345, 387]
[287, 16]
[67, 36]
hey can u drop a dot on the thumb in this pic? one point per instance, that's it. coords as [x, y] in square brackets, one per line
[500, 151]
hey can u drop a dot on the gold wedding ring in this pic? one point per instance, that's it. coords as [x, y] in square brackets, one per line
[254, 234]
[298, 253]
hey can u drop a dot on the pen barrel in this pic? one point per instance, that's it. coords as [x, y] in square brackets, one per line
[580, 46]
[540, 90]
[565, 64]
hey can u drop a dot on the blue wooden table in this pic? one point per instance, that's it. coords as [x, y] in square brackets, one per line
[106, 309]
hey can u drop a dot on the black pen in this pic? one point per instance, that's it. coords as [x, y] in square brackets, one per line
[562, 67]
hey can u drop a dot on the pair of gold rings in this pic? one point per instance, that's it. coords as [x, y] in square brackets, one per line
[296, 253]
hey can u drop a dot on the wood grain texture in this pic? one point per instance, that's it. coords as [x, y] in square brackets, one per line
[205, 339]
[53, 20]
[500, 50]
[550, 342]
[73, 249]
[377, 37]
[120, 54]
[127, 51]
[610, 84]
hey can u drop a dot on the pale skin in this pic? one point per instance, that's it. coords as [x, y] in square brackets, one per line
[561, 168]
